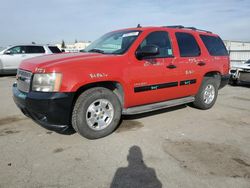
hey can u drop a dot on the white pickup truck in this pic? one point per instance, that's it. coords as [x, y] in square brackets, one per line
[240, 73]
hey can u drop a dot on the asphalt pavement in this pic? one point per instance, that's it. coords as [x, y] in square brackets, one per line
[177, 147]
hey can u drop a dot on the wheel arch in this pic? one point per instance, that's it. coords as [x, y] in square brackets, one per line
[214, 74]
[114, 86]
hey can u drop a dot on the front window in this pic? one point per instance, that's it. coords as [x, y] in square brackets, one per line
[161, 40]
[16, 50]
[113, 43]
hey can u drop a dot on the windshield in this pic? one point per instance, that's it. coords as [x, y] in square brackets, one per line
[113, 43]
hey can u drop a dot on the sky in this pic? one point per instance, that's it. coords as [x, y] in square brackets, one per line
[51, 21]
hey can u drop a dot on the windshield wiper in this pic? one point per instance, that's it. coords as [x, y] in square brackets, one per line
[96, 50]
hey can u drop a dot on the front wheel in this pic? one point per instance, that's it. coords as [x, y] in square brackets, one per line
[96, 113]
[207, 94]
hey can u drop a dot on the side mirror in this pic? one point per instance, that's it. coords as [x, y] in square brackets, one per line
[7, 52]
[147, 51]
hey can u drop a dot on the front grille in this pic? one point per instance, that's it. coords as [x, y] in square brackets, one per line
[245, 77]
[23, 80]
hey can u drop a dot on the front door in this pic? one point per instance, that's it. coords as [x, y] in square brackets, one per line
[13, 57]
[153, 79]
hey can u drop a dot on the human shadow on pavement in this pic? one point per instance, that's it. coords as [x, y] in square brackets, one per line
[136, 174]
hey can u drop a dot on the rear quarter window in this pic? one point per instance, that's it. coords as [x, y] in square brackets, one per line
[188, 45]
[55, 49]
[214, 45]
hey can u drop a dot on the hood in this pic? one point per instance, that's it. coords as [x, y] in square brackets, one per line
[48, 61]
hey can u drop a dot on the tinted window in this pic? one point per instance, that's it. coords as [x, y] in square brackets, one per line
[160, 39]
[187, 45]
[34, 49]
[54, 49]
[214, 45]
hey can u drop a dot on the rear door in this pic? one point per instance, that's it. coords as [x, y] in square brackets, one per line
[190, 62]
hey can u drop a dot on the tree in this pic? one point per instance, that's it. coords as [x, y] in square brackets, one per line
[76, 41]
[63, 44]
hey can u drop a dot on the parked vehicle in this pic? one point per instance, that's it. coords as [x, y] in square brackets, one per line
[129, 71]
[11, 57]
[240, 73]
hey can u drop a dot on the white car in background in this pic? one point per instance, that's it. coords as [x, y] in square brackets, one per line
[240, 73]
[11, 57]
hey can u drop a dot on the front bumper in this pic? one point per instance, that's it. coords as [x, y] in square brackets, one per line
[224, 80]
[50, 110]
[241, 75]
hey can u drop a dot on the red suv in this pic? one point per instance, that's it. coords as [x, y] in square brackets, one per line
[128, 71]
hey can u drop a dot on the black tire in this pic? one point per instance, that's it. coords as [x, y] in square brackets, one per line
[200, 99]
[83, 102]
[233, 82]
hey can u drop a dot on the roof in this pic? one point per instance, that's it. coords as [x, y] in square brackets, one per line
[31, 45]
[173, 27]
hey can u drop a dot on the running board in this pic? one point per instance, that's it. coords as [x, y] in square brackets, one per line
[156, 106]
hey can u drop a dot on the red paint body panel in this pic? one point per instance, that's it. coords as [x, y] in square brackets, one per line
[130, 72]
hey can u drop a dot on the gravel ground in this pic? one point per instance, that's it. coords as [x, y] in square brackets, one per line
[176, 147]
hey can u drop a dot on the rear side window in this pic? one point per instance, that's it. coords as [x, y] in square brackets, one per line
[54, 49]
[160, 39]
[187, 45]
[34, 50]
[214, 45]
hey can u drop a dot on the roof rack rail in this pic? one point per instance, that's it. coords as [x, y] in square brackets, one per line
[175, 26]
[194, 28]
[182, 27]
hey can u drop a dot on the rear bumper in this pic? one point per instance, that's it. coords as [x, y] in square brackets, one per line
[224, 80]
[50, 110]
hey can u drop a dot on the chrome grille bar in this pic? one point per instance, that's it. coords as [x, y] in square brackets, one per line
[23, 80]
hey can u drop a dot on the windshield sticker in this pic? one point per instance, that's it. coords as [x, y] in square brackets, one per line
[130, 34]
[170, 52]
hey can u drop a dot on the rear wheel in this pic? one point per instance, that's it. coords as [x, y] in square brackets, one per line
[207, 94]
[96, 113]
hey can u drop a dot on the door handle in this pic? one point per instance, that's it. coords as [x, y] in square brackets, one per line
[201, 63]
[171, 66]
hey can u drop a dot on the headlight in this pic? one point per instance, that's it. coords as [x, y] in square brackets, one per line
[50, 82]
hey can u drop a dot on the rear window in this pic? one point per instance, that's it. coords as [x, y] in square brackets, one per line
[214, 45]
[187, 45]
[55, 49]
[34, 50]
